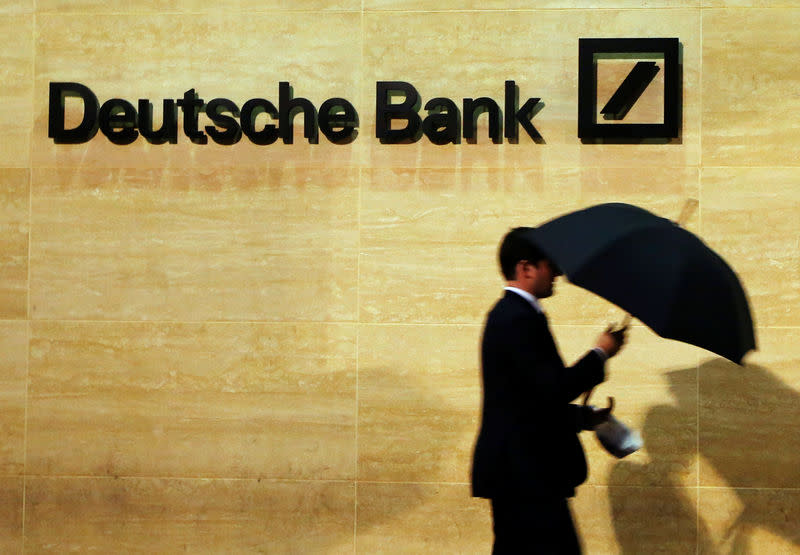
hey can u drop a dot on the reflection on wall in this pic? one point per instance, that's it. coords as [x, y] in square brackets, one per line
[274, 348]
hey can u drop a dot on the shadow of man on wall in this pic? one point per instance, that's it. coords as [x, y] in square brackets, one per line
[749, 437]
[660, 519]
[749, 432]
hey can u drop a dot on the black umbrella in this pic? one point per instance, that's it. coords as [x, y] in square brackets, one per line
[654, 269]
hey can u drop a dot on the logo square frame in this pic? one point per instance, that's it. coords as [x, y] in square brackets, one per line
[589, 130]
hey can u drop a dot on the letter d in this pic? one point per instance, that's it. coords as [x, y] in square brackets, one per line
[55, 126]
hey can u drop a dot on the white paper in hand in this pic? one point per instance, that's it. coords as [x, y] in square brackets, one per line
[617, 438]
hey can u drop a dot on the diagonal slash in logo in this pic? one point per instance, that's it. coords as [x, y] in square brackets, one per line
[629, 91]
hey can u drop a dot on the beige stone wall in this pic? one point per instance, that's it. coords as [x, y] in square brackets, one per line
[274, 349]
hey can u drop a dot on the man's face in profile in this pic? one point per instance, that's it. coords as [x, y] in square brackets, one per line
[546, 273]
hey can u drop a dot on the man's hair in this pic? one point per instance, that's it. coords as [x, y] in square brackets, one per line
[514, 248]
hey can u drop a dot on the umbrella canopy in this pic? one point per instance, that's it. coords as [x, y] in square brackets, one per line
[657, 271]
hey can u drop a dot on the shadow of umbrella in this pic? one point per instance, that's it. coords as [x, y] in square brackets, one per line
[750, 438]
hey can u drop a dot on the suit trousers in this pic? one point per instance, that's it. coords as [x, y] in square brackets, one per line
[533, 526]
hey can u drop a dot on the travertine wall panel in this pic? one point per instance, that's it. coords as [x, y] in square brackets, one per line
[13, 396]
[133, 399]
[421, 518]
[750, 216]
[14, 241]
[194, 245]
[16, 96]
[429, 237]
[750, 3]
[496, 5]
[12, 7]
[419, 402]
[749, 98]
[193, 6]
[124, 515]
[11, 496]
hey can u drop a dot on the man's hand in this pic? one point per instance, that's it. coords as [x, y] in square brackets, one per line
[594, 417]
[611, 341]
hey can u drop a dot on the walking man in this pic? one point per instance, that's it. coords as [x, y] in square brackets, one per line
[528, 459]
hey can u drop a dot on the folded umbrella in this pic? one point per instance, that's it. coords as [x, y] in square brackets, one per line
[654, 269]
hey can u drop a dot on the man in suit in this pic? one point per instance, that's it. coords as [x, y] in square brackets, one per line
[528, 459]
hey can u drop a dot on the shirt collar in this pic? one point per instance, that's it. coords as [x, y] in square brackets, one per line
[528, 297]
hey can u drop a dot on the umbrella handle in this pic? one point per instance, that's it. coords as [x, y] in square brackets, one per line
[688, 209]
[626, 320]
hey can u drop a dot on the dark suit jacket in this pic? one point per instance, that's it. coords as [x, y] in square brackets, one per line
[528, 442]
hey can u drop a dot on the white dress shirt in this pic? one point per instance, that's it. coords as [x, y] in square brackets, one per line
[537, 305]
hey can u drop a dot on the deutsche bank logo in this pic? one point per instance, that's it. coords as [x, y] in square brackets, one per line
[629, 89]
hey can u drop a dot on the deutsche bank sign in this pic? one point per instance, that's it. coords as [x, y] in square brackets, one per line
[399, 116]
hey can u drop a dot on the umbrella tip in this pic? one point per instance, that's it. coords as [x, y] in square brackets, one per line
[689, 208]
